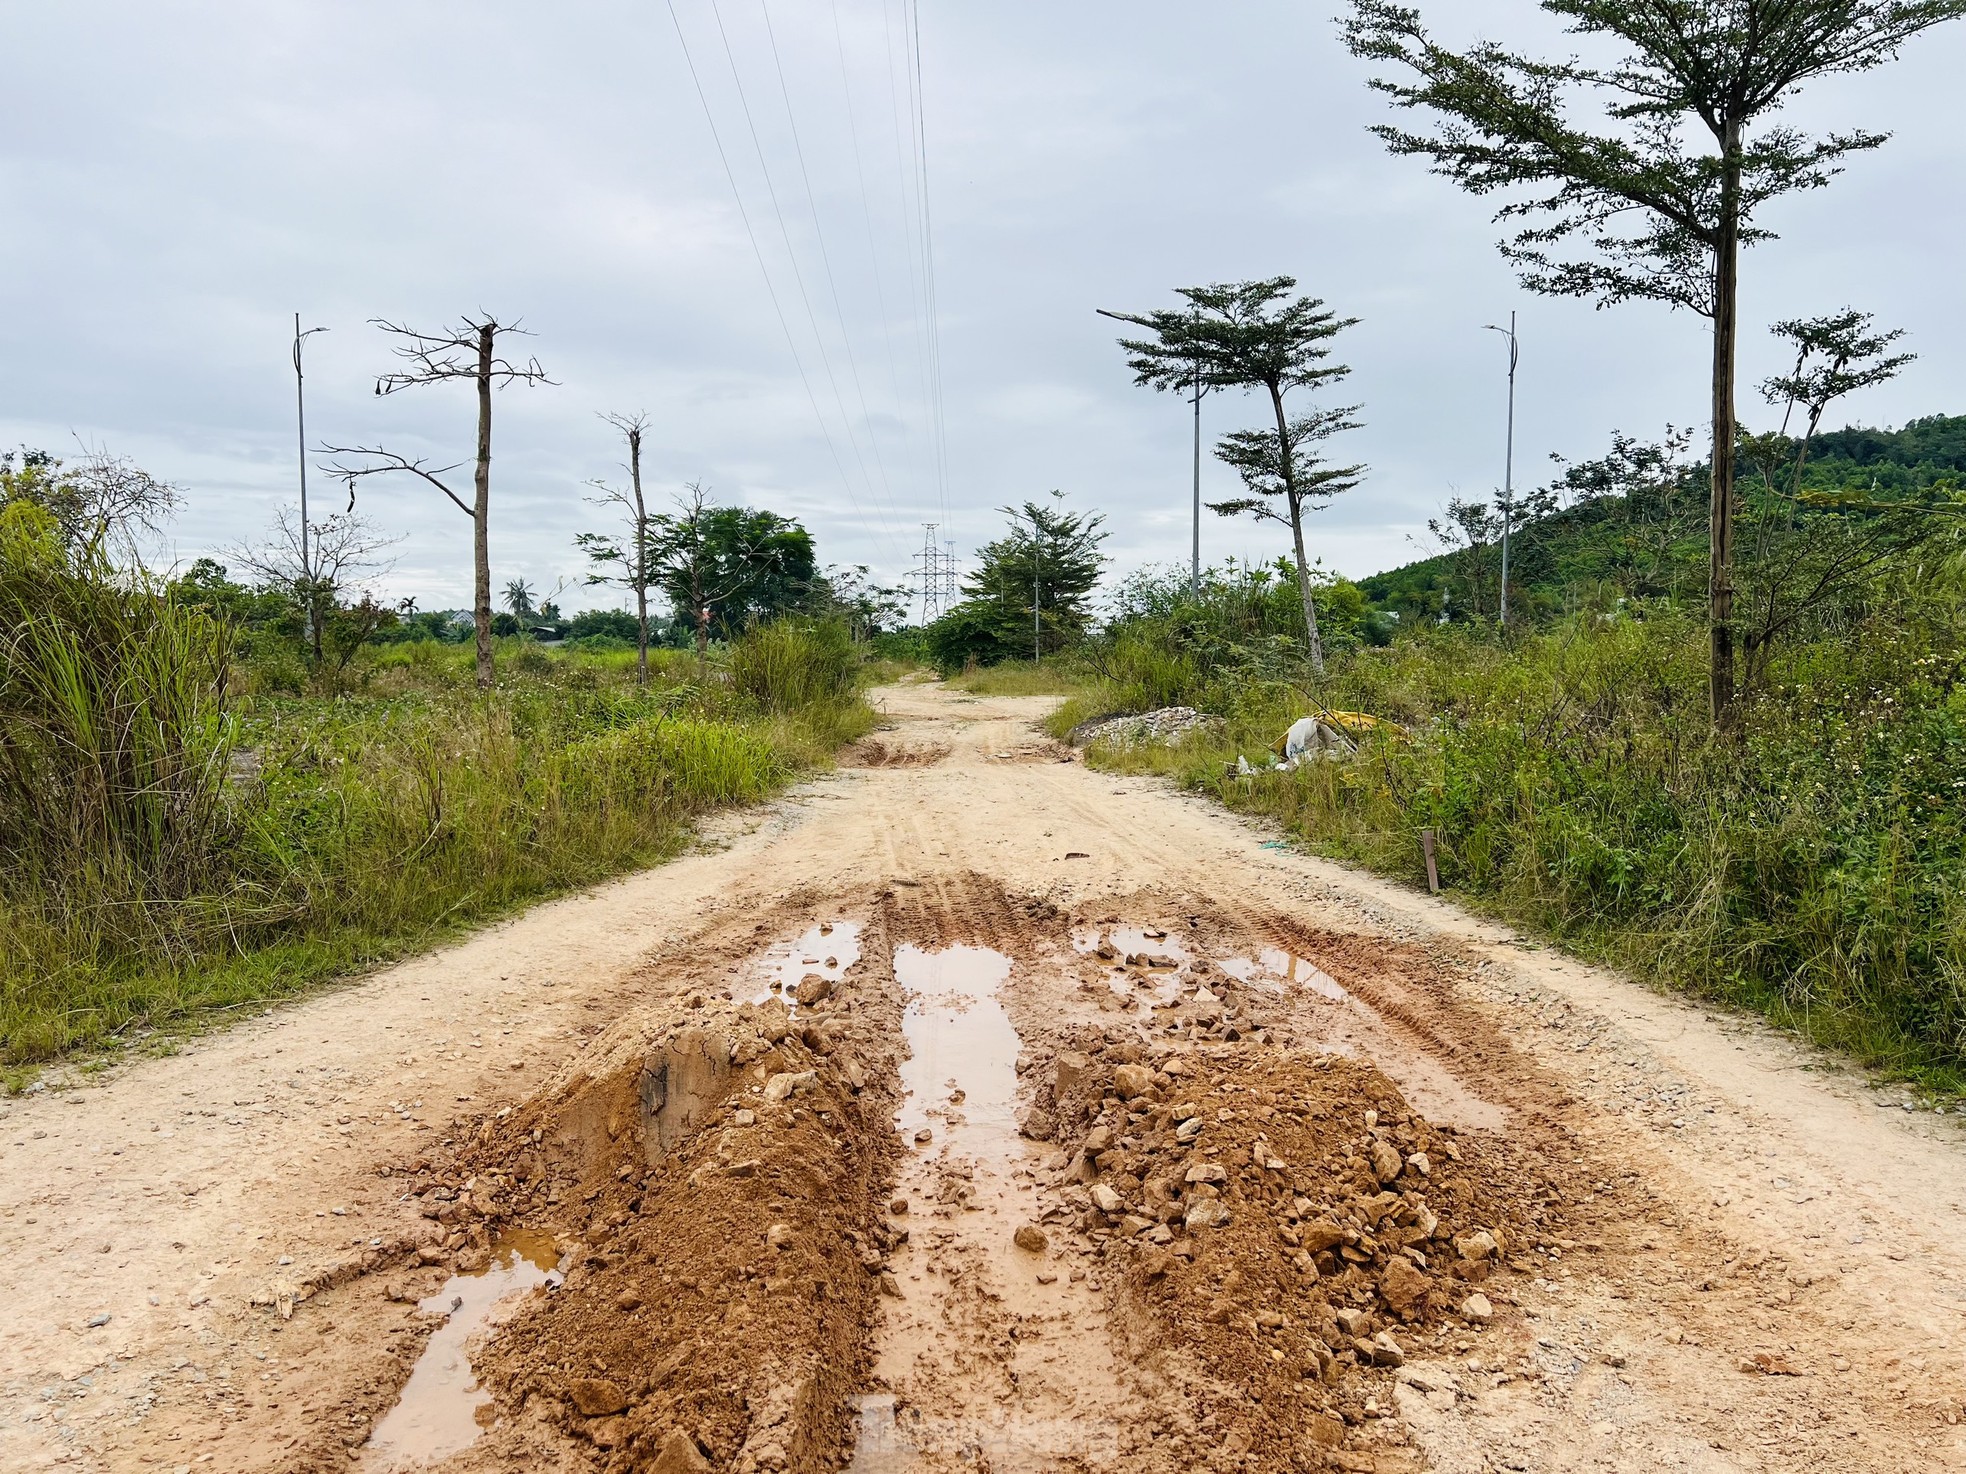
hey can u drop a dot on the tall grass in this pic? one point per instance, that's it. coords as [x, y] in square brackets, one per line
[358, 827]
[114, 737]
[1054, 677]
[1810, 871]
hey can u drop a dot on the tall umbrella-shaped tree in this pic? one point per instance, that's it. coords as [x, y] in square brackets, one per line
[1608, 195]
[1251, 335]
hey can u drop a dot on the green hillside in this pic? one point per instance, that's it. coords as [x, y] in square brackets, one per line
[1633, 524]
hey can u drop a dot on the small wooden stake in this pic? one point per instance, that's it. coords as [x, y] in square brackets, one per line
[1433, 870]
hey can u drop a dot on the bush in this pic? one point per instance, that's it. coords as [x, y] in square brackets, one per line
[1809, 871]
[965, 636]
[114, 729]
[614, 624]
[786, 665]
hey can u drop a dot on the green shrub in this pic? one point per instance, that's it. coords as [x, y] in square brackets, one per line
[1809, 871]
[786, 665]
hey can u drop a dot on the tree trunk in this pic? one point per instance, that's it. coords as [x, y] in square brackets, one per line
[641, 561]
[481, 611]
[696, 597]
[1286, 461]
[1721, 694]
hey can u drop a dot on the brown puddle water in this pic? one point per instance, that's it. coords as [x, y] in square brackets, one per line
[962, 1062]
[439, 1410]
[828, 949]
[975, 1306]
[1168, 957]
[1275, 963]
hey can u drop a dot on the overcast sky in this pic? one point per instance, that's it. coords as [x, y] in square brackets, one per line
[180, 178]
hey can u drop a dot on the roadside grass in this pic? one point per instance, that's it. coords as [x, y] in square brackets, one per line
[1050, 677]
[1809, 873]
[358, 828]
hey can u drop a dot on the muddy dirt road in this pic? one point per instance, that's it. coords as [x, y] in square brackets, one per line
[974, 1111]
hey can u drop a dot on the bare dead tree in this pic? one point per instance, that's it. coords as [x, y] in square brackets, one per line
[104, 504]
[319, 565]
[631, 555]
[469, 350]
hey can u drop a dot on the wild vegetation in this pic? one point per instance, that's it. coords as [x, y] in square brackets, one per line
[1806, 866]
[198, 812]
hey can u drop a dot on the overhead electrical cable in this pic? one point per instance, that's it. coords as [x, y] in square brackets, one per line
[867, 208]
[913, 12]
[798, 276]
[879, 530]
[825, 257]
[905, 179]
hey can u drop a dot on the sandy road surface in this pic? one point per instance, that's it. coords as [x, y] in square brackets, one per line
[1712, 1251]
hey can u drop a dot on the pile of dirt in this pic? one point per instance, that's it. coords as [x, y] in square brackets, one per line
[1287, 1229]
[876, 752]
[716, 1203]
[1168, 724]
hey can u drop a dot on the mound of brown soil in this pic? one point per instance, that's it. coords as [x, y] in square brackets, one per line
[724, 1252]
[872, 752]
[1289, 1225]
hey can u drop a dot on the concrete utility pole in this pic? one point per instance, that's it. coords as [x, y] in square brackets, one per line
[300, 415]
[1508, 470]
[1199, 390]
[1194, 567]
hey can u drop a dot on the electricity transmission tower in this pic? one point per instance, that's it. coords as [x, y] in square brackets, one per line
[932, 575]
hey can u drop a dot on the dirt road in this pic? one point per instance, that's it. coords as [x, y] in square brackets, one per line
[972, 1110]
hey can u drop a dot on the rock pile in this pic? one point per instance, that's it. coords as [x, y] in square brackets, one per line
[1287, 1219]
[1169, 724]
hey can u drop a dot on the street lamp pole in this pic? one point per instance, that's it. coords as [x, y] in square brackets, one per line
[1508, 471]
[300, 417]
[1194, 566]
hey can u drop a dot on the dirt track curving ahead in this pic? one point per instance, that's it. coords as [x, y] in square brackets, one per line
[1094, 1135]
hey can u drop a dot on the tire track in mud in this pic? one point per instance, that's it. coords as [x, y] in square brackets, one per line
[1199, 1341]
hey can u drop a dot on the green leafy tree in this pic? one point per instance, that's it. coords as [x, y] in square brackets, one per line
[518, 599]
[1809, 548]
[852, 596]
[723, 567]
[1253, 335]
[1032, 589]
[1626, 208]
[1287, 492]
[104, 503]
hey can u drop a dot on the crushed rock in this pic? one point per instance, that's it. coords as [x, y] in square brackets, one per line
[1169, 724]
[1284, 1225]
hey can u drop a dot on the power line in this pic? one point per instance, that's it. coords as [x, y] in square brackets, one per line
[867, 206]
[791, 251]
[770, 289]
[928, 256]
[907, 181]
[825, 256]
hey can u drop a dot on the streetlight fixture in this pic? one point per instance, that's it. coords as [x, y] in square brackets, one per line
[1508, 472]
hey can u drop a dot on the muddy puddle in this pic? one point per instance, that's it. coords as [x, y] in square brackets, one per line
[826, 950]
[978, 1310]
[1284, 970]
[441, 1406]
[1138, 961]
[960, 1080]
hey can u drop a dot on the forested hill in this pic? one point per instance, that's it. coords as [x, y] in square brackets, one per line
[1634, 523]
